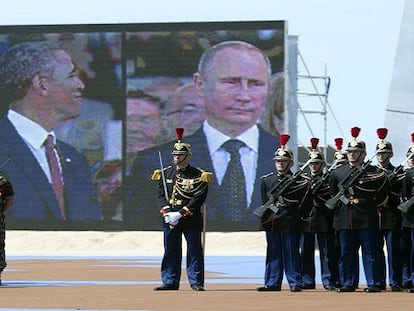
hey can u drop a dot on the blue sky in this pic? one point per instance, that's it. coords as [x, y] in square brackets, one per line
[354, 41]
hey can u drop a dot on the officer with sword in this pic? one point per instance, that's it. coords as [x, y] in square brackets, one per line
[182, 190]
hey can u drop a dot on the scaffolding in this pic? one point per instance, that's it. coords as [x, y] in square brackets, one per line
[313, 88]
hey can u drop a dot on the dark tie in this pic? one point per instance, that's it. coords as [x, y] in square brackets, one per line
[55, 173]
[233, 185]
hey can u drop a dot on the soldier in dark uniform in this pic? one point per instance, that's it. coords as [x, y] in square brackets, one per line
[407, 235]
[283, 227]
[364, 187]
[6, 197]
[182, 190]
[390, 215]
[319, 223]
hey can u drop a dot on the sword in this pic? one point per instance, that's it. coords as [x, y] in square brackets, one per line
[4, 164]
[164, 183]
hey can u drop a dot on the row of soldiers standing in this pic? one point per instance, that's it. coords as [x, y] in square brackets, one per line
[352, 205]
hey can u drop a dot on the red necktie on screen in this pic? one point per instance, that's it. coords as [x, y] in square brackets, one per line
[57, 183]
[234, 184]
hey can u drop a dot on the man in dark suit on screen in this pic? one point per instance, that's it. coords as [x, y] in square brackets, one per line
[52, 185]
[232, 79]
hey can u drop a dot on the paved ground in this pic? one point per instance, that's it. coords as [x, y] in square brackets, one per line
[126, 283]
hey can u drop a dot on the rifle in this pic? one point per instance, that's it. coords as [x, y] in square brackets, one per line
[398, 169]
[318, 184]
[279, 188]
[394, 173]
[406, 205]
[347, 183]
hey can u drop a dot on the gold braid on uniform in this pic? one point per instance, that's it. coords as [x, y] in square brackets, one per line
[299, 184]
[188, 188]
[373, 178]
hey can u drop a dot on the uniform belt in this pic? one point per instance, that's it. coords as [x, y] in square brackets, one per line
[359, 201]
[178, 202]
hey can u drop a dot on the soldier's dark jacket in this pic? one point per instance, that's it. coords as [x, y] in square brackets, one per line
[369, 193]
[186, 187]
[320, 218]
[390, 214]
[407, 192]
[7, 192]
[294, 203]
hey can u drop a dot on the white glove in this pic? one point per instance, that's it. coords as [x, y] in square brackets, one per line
[173, 224]
[172, 218]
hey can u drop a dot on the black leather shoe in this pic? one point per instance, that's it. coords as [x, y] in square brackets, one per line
[295, 289]
[308, 286]
[372, 289]
[197, 287]
[329, 287]
[167, 287]
[346, 289]
[396, 288]
[383, 287]
[268, 288]
[406, 285]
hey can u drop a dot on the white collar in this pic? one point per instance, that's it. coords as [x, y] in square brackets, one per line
[31, 132]
[215, 138]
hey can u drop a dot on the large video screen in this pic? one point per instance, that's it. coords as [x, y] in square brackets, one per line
[113, 101]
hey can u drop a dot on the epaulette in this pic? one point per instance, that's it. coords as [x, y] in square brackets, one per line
[267, 175]
[205, 176]
[156, 175]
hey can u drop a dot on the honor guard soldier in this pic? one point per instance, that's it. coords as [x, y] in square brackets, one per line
[182, 190]
[407, 238]
[319, 223]
[357, 189]
[390, 215]
[6, 197]
[287, 199]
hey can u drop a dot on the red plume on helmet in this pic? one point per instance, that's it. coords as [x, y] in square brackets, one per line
[412, 138]
[179, 131]
[338, 143]
[355, 131]
[314, 142]
[284, 138]
[382, 133]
